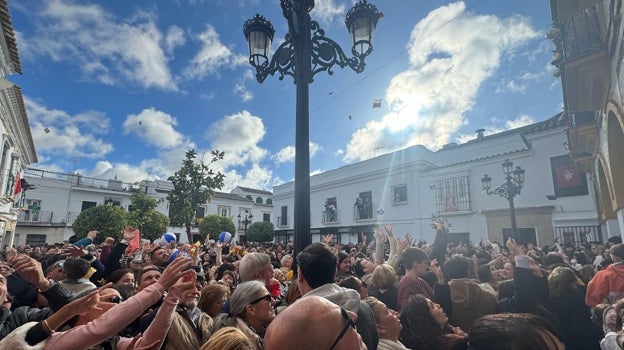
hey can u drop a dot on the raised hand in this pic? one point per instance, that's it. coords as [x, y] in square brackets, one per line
[88, 302]
[513, 246]
[31, 271]
[185, 283]
[174, 271]
[402, 244]
[437, 270]
[72, 251]
[388, 229]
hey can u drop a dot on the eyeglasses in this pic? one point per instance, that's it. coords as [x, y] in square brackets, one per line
[115, 299]
[349, 322]
[267, 297]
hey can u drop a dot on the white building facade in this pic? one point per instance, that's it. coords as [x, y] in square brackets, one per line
[17, 149]
[407, 188]
[56, 199]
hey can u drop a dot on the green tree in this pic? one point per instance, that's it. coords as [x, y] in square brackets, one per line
[193, 185]
[262, 231]
[213, 225]
[143, 214]
[110, 220]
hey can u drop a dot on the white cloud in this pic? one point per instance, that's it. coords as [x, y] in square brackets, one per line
[175, 38]
[498, 125]
[287, 154]
[71, 135]
[316, 172]
[212, 56]
[451, 53]
[110, 50]
[238, 136]
[240, 88]
[153, 127]
[328, 11]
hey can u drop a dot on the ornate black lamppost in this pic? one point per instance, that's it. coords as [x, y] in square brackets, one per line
[514, 181]
[245, 221]
[306, 51]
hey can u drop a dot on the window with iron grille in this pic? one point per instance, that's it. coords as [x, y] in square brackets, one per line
[578, 235]
[35, 240]
[452, 194]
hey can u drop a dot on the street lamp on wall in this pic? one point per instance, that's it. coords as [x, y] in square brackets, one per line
[245, 221]
[307, 51]
[514, 181]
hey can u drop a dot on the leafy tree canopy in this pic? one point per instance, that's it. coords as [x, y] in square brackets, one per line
[193, 186]
[110, 220]
[213, 225]
[143, 214]
[262, 231]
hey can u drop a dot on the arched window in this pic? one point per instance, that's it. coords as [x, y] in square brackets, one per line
[249, 197]
[269, 201]
[259, 200]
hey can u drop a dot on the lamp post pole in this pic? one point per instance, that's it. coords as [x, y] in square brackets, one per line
[514, 181]
[306, 51]
[245, 221]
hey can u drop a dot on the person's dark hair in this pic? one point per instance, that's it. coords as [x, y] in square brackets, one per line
[484, 273]
[511, 331]
[598, 313]
[317, 264]
[457, 267]
[221, 269]
[116, 275]
[420, 329]
[76, 267]
[126, 292]
[342, 256]
[358, 269]
[552, 259]
[505, 289]
[351, 283]
[412, 255]
[146, 269]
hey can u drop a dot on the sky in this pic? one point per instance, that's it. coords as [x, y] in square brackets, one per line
[124, 88]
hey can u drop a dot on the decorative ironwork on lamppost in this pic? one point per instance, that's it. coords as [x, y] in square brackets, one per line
[514, 181]
[245, 221]
[307, 51]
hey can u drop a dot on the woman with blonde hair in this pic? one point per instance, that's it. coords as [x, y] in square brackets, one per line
[212, 298]
[228, 338]
[384, 286]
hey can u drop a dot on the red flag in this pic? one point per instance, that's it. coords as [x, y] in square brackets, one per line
[135, 243]
[18, 185]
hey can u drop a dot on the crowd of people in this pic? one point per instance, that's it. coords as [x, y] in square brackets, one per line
[386, 293]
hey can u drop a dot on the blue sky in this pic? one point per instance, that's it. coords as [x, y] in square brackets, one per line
[126, 87]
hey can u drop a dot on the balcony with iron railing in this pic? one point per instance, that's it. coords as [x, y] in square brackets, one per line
[330, 216]
[42, 217]
[363, 212]
[583, 33]
[282, 221]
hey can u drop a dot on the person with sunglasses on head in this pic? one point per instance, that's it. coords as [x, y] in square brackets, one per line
[251, 311]
[314, 323]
